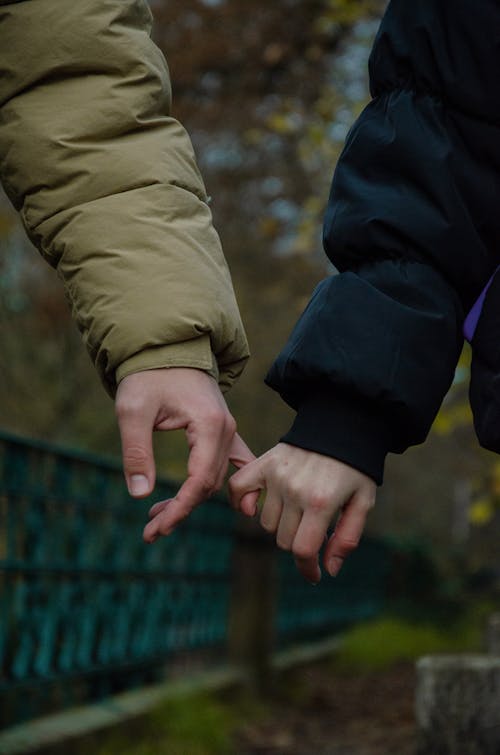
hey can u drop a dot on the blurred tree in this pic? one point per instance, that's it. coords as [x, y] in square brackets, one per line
[49, 388]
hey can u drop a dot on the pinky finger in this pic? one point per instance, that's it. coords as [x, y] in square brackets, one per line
[157, 508]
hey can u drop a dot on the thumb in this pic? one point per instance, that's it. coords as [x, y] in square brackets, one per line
[239, 453]
[137, 452]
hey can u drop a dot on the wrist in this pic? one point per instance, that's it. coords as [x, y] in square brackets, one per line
[345, 427]
[195, 353]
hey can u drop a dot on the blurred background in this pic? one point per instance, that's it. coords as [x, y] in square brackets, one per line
[267, 92]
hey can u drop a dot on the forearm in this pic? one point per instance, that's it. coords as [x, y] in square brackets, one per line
[108, 188]
[369, 363]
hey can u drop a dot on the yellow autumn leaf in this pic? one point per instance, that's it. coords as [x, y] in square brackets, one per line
[451, 417]
[281, 123]
[481, 511]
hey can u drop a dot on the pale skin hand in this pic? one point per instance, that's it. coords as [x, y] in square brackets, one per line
[171, 399]
[305, 493]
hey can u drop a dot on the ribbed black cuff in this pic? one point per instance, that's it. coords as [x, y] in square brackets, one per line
[345, 427]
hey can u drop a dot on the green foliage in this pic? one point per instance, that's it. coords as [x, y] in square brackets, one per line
[455, 418]
[378, 644]
[455, 412]
[340, 12]
[200, 725]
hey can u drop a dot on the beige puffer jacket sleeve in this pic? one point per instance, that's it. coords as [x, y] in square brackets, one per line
[107, 186]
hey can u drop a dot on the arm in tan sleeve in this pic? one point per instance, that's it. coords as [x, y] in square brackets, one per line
[106, 182]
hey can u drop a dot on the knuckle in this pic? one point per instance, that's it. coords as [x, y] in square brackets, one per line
[292, 487]
[215, 416]
[283, 481]
[208, 485]
[230, 425]
[318, 503]
[282, 474]
[129, 407]
[370, 503]
[135, 457]
[303, 552]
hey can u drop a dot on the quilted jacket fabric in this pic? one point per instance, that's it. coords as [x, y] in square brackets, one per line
[107, 186]
[413, 226]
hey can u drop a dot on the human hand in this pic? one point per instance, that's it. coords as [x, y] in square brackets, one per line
[305, 491]
[170, 399]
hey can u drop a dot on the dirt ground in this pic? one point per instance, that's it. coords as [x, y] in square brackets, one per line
[321, 713]
[313, 710]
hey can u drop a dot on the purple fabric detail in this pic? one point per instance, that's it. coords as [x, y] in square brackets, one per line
[472, 318]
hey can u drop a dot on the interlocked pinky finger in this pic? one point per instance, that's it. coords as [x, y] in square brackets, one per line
[156, 508]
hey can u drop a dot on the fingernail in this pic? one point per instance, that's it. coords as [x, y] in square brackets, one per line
[138, 484]
[334, 566]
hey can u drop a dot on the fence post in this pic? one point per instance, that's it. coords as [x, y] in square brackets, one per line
[253, 603]
[493, 634]
[458, 705]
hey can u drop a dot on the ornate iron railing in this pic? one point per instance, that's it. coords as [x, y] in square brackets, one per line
[86, 608]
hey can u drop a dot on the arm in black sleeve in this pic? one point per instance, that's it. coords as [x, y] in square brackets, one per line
[412, 226]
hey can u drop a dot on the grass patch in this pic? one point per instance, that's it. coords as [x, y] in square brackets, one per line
[379, 644]
[195, 725]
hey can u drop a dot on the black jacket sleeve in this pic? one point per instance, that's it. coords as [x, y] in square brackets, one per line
[412, 225]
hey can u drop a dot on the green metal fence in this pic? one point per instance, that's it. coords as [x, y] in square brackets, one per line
[306, 612]
[86, 608]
